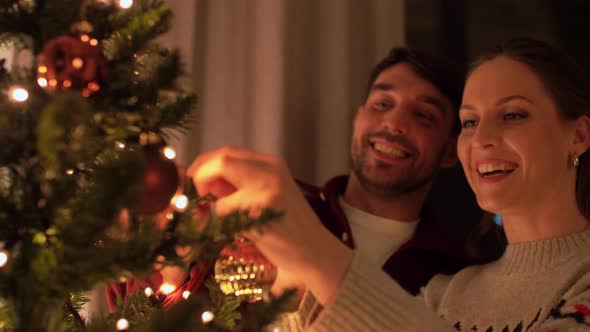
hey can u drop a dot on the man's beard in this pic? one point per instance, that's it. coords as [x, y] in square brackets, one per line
[392, 186]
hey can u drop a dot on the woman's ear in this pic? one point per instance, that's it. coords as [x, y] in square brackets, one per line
[449, 157]
[582, 135]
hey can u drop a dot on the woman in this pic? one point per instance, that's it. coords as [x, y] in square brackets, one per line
[525, 132]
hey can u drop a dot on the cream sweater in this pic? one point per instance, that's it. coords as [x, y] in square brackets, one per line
[542, 286]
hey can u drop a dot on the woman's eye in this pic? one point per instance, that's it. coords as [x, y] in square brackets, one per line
[467, 123]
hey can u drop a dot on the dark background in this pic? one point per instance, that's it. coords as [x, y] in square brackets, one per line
[460, 29]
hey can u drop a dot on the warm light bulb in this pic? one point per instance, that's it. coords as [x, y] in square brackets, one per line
[186, 294]
[148, 291]
[85, 38]
[120, 145]
[3, 258]
[207, 316]
[77, 63]
[42, 69]
[167, 288]
[169, 153]
[69, 171]
[18, 94]
[93, 42]
[42, 82]
[180, 202]
[122, 324]
[125, 3]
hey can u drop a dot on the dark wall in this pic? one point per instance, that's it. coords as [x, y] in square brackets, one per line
[461, 29]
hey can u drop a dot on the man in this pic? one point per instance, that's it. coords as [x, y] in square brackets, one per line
[402, 135]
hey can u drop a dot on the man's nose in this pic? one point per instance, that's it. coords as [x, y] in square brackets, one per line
[398, 119]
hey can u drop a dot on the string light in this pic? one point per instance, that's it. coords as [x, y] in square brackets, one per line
[42, 82]
[18, 94]
[69, 171]
[180, 202]
[148, 292]
[169, 153]
[186, 294]
[3, 258]
[207, 317]
[77, 63]
[167, 288]
[122, 324]
[125, 3]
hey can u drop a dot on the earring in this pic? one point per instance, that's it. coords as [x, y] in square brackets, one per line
[575, 160]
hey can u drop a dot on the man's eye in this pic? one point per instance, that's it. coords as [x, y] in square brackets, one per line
[514, 116]
[381, 105]
[424, 115]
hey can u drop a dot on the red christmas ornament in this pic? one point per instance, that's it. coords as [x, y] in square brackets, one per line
[67, 62]
[160, 181]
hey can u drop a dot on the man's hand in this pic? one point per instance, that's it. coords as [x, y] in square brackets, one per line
[297, 243]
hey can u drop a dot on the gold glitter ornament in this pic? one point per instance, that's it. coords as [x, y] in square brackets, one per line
[244, 271]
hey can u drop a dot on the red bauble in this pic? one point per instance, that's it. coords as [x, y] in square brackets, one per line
[159, 180]
[71, 63]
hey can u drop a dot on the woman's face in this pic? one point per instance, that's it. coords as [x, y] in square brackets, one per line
[514, 147]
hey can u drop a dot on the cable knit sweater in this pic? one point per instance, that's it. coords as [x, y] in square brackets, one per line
[541, 286]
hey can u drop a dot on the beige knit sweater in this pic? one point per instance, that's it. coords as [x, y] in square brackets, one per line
[542, 286]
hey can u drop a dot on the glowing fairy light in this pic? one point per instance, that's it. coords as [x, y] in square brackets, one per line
[180, 202]
[77, 63]
[186, 294]
[167, 288]
[42, 82]
[169, 153]
[122, 324]
[207, 317]
[148, 292]
[18, 94]
[125, 3]
[3, 258]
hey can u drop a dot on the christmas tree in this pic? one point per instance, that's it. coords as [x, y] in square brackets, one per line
[86, 176]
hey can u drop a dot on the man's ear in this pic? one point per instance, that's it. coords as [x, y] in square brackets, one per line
[449, 157]
[581, 140]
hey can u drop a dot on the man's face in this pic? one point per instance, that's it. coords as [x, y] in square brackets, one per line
[402, 134]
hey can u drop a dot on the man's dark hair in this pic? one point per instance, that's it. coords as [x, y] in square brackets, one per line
[445, 76]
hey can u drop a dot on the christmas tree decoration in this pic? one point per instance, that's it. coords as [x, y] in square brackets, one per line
[18, 94]
[160, 181]
[125, 3]
[69, 62]
[122, 324]
[180, 202]
[84, 173]
[3, 258]
[207, 317]
[244, 272]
